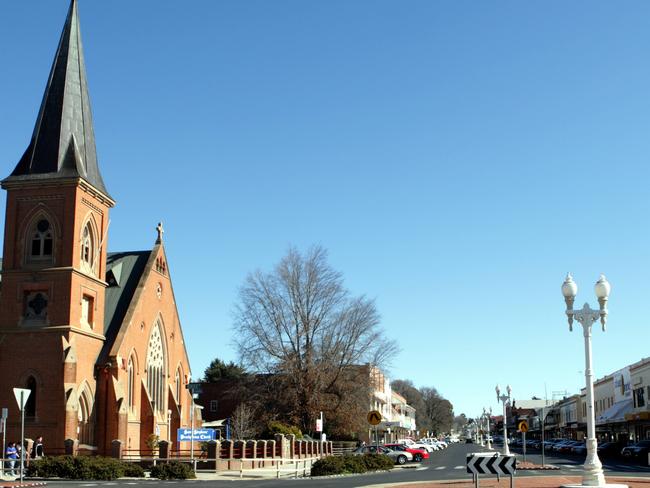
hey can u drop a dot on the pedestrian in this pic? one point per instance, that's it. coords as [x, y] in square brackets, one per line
[19, 457]
[12, 454]
[37, 449]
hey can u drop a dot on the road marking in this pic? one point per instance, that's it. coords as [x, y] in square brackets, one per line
[89, 484]
[422, 468]
[459, 467]
[441, 467]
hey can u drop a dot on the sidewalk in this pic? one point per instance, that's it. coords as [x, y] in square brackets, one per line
[520, 482]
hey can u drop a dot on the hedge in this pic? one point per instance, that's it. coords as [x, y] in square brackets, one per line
[351, 464]
[83, 468]
[172, 470]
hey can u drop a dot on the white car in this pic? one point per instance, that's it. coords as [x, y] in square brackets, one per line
[416, 445]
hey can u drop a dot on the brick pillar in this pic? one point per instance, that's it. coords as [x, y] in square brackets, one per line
[281, 442]
[163, 449]
[262, 446]
[241, 445]
[292, 445]
[214, 451]
[116, 449]
[252, 445]
[230, 448]
[71, 447]
[271, 448]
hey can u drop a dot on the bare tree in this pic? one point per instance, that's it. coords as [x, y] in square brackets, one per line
[440, 411]
[242, 422]
[301, 324]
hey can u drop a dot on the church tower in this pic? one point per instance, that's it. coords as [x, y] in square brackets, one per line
[53, 291]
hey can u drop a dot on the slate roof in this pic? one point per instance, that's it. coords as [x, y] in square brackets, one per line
[124, 270]
[63, 142]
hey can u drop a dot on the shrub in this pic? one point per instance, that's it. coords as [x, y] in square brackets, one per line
[351, 464]
[83, 468]
[172, 470]
[377, 462]
[275, 427]
[133, 470]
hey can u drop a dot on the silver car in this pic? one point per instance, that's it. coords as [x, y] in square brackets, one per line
[399, 457]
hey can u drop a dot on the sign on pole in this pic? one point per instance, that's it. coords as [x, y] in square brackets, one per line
[374, 417]
[5, 413]
[194, 388]
[198, 435]
[523, 426]
[21, 394]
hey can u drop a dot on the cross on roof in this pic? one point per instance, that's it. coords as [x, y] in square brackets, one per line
[161, 231]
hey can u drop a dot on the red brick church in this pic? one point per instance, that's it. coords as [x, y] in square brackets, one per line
[94, 335]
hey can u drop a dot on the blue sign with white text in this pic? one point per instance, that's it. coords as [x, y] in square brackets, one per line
[200, 435]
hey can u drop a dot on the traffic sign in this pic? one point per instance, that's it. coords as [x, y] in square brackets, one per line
[21, 394]
[195, 387]
[199, 435]
[523, 426]
[374, 417]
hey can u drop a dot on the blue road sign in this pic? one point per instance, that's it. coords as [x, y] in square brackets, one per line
[200, 435]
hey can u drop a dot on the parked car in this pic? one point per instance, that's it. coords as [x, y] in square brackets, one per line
[418, 454]
[608, 449]
[416, 445]
[580, 449]
[399, 457]
[638, 450]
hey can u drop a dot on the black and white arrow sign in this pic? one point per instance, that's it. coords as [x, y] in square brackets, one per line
[488, 463]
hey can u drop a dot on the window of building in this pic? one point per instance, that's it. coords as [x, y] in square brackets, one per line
[639, 399]
[86, 420]
[41, 241]
[178, 385]
[35, 306]
[87, 310]
[213, 405]
[88, 249]
[30, 405]
[157, 369]
[130, 387]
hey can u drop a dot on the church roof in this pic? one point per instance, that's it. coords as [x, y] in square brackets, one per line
[124, 270]
[63, 141]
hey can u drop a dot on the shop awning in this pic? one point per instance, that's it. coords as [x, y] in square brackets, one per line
[616, 413]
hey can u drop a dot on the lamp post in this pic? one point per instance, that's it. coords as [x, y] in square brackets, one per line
[592, 473]
[505, 399]
[479, 430]
[486, 415]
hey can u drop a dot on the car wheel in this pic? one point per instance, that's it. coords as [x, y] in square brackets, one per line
[401, 459]
[417, 458]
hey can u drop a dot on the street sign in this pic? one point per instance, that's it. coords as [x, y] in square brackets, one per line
[488, 463]
[523, 426]
[319, 425]
[200, 435]
[21, 394]
[374, 417]
[194, 388]
[5, 413]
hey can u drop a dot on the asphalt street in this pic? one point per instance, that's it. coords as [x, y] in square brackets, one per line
[442, 465]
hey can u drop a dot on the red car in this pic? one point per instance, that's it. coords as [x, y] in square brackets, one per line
[418, 454]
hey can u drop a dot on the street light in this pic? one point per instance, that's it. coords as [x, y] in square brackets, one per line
[486, 415]
[505, 399]
[592, 473]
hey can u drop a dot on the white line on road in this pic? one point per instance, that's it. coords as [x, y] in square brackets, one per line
[441, 467]
[459, 467]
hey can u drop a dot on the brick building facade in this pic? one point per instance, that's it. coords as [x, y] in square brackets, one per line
[94, 335]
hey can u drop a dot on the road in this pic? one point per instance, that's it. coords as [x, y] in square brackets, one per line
[442, 465]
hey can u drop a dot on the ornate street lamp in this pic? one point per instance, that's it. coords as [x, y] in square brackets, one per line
[486, 415]
[592, 474]
[505, 399]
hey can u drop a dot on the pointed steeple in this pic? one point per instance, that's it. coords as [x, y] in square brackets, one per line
[63, 142]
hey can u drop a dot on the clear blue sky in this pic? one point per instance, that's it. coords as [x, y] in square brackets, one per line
[456, 158]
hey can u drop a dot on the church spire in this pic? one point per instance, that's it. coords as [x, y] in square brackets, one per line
[63, 142]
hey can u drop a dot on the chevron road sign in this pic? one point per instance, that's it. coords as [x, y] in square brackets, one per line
[489, 463]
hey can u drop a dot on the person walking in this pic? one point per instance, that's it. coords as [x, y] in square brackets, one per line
[37, 449]
[12, 454]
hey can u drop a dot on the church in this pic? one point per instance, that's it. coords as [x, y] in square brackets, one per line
[95, 336]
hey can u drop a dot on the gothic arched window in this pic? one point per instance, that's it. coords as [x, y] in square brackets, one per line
[157, 368]
[178, 385]
[41, 241]
[30, 405]
[88, 249]
[130, 371]
[86, 419]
